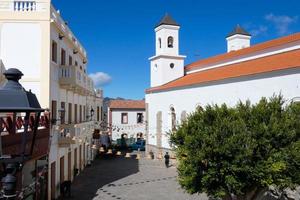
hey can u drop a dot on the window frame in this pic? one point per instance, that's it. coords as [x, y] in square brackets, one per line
[141, 117]
[63, 56]
[70, 60]
[122, 118]
[54, 48]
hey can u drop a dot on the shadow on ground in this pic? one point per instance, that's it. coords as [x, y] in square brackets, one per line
[102, 172]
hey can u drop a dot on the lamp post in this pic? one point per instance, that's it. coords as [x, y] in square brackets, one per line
[17, 105]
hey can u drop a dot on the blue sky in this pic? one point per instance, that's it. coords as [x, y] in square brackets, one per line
[119, 34]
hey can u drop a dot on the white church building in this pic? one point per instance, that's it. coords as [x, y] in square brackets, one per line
[244, 72]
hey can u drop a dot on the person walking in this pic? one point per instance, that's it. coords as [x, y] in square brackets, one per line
[167, 159]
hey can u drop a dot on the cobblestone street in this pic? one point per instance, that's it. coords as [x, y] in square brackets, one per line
[129, 179]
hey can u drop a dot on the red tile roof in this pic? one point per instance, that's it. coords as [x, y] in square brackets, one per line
[127, 104]
[271, 63]
[235, 54]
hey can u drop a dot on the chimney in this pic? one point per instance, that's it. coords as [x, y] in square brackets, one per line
[238, 39]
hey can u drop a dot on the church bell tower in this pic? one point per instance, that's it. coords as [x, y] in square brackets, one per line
[167, 65]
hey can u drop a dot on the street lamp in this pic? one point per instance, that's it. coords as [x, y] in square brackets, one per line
[17, 103]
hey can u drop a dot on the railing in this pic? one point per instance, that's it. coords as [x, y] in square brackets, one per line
[70, 133]
[23, 6]
[12, 125]
[66, 136]
[71, 76]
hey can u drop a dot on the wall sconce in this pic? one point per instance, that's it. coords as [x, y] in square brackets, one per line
[61, 36]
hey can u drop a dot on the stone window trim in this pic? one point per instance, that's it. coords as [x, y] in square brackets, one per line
[124, 118]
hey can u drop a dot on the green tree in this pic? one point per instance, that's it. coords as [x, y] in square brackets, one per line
[234, 153]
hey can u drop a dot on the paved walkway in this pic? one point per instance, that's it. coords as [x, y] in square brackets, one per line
[114, 178]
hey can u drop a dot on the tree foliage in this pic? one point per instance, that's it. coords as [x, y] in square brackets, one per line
[238, 151]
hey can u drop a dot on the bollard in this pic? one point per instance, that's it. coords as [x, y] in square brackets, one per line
[127, 155]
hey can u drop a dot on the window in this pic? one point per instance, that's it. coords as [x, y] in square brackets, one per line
[80, 67]
[140, 118]
[70, 60]
[75, 114]
[124, 118]
[159, 129]
[98, 114]
[159, 42]
[63, 57]
[62, 112]
[54, 110]
[101, 114]
[76, 63]
[173, 119]
[84, 113]
[80, 113]
[70, 113]
[54, 51]
[170, 42]
[183, 116]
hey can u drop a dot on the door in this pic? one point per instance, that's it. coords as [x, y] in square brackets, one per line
[80, 157]
[84, 156]
[75, 159]
[69, 167]
[53, 188]
[62, 169]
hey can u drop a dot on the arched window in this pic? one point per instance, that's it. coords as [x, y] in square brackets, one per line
[183, 116]
[173, 119]
[159, 42]
[159, 129]
[199, 107]
[170, 42]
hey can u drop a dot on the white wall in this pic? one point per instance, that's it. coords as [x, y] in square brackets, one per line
[230, 92]
[132, 128]
[237, 42]
[162, 73]
[20, 45]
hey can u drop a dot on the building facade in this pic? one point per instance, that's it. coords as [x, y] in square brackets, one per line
[35, 39]
[245, 72]
[126, 119]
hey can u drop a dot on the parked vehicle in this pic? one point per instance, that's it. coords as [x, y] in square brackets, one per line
[140, 144]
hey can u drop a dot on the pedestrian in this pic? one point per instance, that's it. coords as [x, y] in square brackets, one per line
[167, 159]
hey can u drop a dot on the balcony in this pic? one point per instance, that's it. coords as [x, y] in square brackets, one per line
[11, 135]
[66, 136]
[23, 6]
[72, 78]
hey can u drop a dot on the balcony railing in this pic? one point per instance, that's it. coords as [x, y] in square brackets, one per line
[23, 6]
[11, 125]
[11, 128]
[66, 136]
[73, 78]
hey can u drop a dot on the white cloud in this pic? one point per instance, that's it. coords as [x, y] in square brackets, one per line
[259, 30]
[100, 79]
[282, 22]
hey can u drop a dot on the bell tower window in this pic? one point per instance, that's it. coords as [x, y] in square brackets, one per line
[159, 42]
[170, 42]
